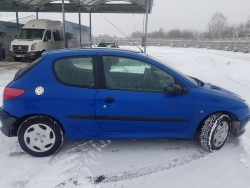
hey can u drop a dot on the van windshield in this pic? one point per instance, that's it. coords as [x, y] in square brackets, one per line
[31, 34]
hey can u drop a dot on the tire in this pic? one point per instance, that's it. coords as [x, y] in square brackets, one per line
[17, 58]
[40, 136]
[215, 131]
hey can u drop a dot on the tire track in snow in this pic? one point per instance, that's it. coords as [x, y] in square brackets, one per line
[89, 150]
[131, 174]
[74, 159]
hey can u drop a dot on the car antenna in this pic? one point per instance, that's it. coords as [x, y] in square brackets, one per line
[122, 33]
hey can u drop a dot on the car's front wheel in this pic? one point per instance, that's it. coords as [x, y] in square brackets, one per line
[215, 131]
[40, 136]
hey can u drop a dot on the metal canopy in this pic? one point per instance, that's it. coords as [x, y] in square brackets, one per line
[79, 6]
[90, 6]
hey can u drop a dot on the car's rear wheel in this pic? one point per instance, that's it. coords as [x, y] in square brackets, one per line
[40, 136]
[215, 131]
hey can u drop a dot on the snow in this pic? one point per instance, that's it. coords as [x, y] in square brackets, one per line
[157, 163]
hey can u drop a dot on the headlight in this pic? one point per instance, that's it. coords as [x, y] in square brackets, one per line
[33, 46]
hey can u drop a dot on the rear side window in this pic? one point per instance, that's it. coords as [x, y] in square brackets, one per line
[26, 69]
[75, 71]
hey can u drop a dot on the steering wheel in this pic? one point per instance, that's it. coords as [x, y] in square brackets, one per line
[148, 79]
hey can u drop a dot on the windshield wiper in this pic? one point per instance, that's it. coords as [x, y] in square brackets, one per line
[199, 82]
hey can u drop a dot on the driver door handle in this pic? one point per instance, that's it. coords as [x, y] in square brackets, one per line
[109, 99]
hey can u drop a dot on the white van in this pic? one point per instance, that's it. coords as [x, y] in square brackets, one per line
[36, 37]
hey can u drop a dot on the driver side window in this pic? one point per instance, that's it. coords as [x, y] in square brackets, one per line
[48, 34]
[130, 74]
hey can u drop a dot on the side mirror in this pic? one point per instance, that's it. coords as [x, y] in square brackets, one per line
[173, 89]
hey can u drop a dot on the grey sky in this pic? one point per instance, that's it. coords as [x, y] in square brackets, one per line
[190, 14]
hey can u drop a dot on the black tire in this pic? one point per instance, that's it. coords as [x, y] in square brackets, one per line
[17, 58]
[40, 136]
[215, 131]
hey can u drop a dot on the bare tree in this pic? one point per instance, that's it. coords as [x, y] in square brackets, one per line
[241, 30]
[247, 27]
[217, 25]
[136, 34]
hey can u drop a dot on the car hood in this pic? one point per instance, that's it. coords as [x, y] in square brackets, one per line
[220, 90]
[24, 41]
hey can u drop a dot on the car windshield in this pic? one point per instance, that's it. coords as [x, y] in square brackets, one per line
[186, 76]
[31, 34]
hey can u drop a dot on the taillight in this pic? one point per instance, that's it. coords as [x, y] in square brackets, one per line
[10, 93]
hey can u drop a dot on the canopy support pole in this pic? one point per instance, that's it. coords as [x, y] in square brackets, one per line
[64, 33]
[90, 27]
[80, 27]
[146, 28]
[17, 20]
[36, 14]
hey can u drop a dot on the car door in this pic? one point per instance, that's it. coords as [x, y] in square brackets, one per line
[75, 95]
[133, 98]
[49, 42]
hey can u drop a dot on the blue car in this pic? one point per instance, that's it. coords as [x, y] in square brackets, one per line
[107, 93]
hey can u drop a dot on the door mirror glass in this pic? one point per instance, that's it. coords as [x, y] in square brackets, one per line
[173, 89]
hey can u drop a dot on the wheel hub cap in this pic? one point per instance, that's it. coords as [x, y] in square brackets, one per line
[39, 138]
[221, 133]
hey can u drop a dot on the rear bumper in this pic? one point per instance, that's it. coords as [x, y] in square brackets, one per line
[239, 127]
[7, 122]
[29, 55]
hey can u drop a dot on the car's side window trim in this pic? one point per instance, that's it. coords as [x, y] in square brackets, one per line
[101, 75]
[95, 86]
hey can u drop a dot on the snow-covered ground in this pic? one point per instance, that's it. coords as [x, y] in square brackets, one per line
[142, 163]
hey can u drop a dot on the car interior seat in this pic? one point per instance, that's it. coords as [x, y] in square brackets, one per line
[110, 83]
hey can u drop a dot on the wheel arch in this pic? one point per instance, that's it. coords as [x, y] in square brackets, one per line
[231, 115]
[18, 123]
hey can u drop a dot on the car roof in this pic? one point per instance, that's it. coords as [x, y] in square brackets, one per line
[95, 49]
[108, 42]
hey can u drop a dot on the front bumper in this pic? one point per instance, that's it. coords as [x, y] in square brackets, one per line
[29, 55]
[239, 127]
[8, 122]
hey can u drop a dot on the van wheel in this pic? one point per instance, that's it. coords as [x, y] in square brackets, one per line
[17, 58]
[40, 136]
[215, 131]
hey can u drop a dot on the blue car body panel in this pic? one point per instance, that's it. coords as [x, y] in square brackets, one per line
[132, 115]
[144, 112]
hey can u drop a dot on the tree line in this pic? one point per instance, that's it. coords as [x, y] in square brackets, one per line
[217, 28]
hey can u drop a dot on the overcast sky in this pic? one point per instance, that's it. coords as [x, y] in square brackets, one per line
[181, 14]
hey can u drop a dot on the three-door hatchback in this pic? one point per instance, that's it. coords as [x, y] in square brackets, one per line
[104, 93]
